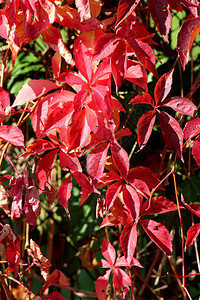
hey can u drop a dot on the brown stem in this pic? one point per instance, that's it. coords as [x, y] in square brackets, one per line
[5, 287]
[132, 288]
[154, 189]
[149, 272]
[148, 286]
[177, 279]
[181, 225]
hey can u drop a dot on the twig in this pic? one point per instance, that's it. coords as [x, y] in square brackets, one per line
[177, 278]
[5, 287]
[149, 272]
[148, 286]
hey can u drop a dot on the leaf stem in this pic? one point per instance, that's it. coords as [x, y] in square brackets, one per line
[132, 288]
[181, 225]
[154, 189]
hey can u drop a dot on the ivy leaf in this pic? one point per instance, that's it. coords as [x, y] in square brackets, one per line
[161, 16]
[163, 87]
[13, 247]
[145, 127]
[83, 7]
[128, 240]
[186, 36]
[181, 105]
[196, 150]
[12, 134]
[192, 234]
[64, 193]
[159, 235]
[56, 276]
[172, 132]
[33, 89]
[125, 8]
[96, 160]
[192, 129]
[120, 158]
[53, 38]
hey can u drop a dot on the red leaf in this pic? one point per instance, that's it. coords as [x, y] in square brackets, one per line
[56, 276]
[31, 202]
[54, 296]
[192, 6]
[108, 252]
[4, 200]
[34, 13]
[121, 280]
[53, 38]
[117, 61]
[83, 59]
[87, 186]
[193, 207]
[109, 220]
[159, 205]
[196, 150]
[38, 146]
[186, 36]
[83, 181]
[120, 158]
[96, 160]
[175, 4]
[5, 98]
[70, 161]
[105, 45]
[132, 201]
[12, 134]
[13, 247]
[59, 117]
[72, 78]
[56, 64]
[163, 87]
[161, 16]
[145, 98]
[140, 187]
[172, 132]
[136, 73]
[32, 90]
[64, 193]
[100, 288]
[125, 8]
[145, 174]
[123, 132]
[192, 128]
[159, 235]
[192, 234]
[144, 53]
[120, 212]
[83, 7]
[44, 108]
[44, 168]
[112, 193]
[145, 127]
[182, 105]
[40, 261]
[79, 131]
[128, 240]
